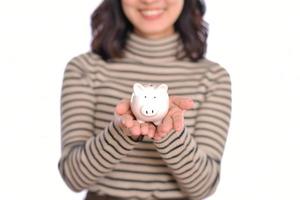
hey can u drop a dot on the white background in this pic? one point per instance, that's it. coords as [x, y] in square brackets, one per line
[256, 41]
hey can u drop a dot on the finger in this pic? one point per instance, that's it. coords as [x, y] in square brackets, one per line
[166, 125]
[173, 109]
[144, 128]
[156, 136]
[122, 126]
[135, 129]
[126, 131]
[123, 107]
[151, 130]
[127, 120]
[159, 133]
[178, 120]
[184, 103]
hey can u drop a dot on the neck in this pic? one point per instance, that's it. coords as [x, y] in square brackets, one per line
[169, 48]
[155, 35]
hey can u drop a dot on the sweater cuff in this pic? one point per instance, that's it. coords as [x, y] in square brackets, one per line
[172, 139]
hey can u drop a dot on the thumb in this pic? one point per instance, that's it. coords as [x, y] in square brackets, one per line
[183, 103]
[123, 107]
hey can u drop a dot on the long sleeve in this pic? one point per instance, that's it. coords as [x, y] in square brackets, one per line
[194, 158]
[86, 155]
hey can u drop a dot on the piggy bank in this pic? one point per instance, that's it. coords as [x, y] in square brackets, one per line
[149, 103]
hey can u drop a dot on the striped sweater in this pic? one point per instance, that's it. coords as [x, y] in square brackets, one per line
[97, 157]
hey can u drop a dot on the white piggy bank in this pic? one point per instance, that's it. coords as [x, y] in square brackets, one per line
[149, 103]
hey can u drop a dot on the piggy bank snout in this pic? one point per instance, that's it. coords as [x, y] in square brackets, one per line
[149, 111]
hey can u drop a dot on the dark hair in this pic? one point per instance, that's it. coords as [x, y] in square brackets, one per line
[110, 27]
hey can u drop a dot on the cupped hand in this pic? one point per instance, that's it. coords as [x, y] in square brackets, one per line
[128, 123]
[174, 119]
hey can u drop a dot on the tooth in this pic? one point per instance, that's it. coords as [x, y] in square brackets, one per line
[151, 12]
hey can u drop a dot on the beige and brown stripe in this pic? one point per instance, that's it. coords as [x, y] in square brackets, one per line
[97, 157]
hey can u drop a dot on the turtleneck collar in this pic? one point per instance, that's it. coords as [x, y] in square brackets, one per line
[154, 50]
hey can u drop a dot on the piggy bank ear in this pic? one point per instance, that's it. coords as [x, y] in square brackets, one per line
[162, 87]
[138, 88]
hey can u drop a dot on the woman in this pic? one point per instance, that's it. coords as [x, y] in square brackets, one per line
[104, 149]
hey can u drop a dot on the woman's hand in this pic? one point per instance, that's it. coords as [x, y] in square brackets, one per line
[128, 123]
[174, 119]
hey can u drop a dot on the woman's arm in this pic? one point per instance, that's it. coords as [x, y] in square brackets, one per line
[194, 158]
[86, 155]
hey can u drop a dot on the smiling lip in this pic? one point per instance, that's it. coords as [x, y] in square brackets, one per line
[152, 14]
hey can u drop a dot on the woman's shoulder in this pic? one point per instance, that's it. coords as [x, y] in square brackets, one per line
[85, 60]
[212, 66]
[87, 56]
